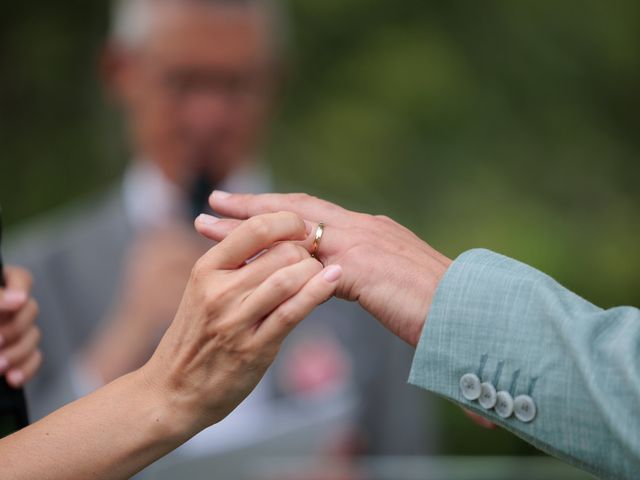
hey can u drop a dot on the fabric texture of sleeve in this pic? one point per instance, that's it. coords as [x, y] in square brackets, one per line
[518, 331]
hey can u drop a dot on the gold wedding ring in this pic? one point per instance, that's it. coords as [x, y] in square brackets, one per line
[316, 241]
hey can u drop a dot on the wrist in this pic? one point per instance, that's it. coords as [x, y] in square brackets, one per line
[181, 413]
[169, 422]
[433, 280]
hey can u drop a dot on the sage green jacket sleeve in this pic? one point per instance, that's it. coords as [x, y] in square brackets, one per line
[521, 332]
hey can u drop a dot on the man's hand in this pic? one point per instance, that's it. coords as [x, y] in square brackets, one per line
[391, 272]
[20, 357]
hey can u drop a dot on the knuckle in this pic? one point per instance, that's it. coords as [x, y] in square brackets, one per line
[301, 197]
[198, 271]
[281, 283]
[260, 228]
[367, 220]
[286, 317]
[290, 253]
[384, 219]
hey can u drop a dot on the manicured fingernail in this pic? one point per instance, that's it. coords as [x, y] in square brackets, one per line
[208, 219]
[4, 364]
[332, 273]
[220, 195]
[15, 378]
[14, 297]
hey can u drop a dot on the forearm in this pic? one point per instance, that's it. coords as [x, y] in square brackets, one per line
[519, 330]
[110, 434]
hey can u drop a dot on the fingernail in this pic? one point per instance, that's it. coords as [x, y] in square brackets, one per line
[332, 273]
[4, 364]
[208, 219]
[14, 297]
[15, 378]
[220, 195]
[309, 226]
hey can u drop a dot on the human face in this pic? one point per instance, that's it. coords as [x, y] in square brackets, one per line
[198, 91]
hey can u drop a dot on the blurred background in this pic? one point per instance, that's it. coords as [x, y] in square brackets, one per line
[506, 125]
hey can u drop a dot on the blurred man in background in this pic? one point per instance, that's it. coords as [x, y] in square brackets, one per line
[196, 81]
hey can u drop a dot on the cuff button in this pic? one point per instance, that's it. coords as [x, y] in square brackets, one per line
[470, 386]
[524, 408]
[488, 396]
[504, 404]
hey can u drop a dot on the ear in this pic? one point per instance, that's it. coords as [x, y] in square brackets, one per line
[115, 69]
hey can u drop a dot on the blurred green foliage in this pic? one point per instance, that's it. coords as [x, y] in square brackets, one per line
[507, 125]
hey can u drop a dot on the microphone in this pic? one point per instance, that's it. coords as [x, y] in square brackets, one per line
[13, 405]
[201, 188]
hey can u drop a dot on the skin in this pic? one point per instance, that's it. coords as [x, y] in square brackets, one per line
[391, 272]
[196, 94]
[231, 322]
[20, 357]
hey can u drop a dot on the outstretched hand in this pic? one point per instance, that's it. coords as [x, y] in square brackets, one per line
[391, 272]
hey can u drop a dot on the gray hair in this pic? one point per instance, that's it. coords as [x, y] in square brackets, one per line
[132, 19]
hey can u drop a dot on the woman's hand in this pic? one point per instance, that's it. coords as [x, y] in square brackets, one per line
[19, 336]
[391, 272]
[232, 319]
[234, 316]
